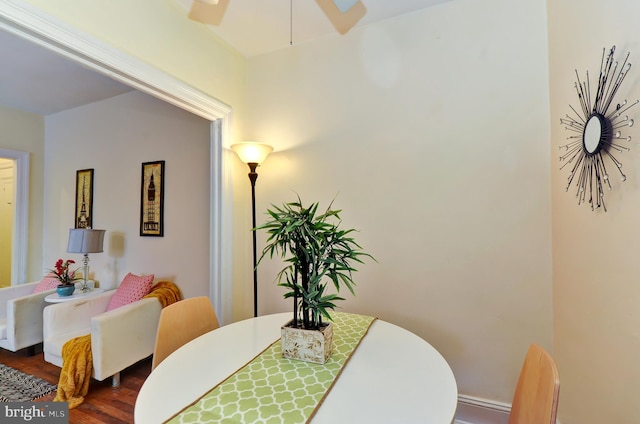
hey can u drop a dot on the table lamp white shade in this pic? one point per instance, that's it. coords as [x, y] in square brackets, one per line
[85, 240]
[251, 151]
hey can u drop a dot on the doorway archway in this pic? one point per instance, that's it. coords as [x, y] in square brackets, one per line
[31, 24]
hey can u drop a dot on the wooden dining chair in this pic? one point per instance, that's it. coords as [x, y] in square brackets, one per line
[182, 322]
[535, 400]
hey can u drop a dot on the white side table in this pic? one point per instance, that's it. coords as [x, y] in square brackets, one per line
[78, 294]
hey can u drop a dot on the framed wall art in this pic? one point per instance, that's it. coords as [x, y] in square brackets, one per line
[152, 199]
[84, 198]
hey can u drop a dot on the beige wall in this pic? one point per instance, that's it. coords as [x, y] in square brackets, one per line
[114, 137]
[25, 132]
[431, 130]
[596, 290]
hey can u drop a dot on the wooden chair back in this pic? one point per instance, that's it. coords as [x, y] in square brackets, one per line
[182, 322]
[535, 400]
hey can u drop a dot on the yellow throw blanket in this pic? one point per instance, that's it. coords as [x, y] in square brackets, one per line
[77, 367]
[77, 359]
[166, 292]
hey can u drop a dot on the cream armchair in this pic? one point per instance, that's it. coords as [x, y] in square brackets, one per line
[119, 338]
[21, 316]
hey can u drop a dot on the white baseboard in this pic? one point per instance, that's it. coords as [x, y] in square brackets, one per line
[473, 410]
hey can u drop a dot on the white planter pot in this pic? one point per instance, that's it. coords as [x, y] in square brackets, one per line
[307, 345]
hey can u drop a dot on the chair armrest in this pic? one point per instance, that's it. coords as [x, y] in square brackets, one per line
[123, 336]
[11, 292]
[24, 320]
[69, 317]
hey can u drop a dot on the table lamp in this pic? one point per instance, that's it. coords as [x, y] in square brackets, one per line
[85, 241]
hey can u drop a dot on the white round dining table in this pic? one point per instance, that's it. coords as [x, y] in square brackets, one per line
[393, 376]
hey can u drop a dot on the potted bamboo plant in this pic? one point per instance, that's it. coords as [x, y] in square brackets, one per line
[317, 253]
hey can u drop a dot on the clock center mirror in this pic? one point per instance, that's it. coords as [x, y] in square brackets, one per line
[592, 135]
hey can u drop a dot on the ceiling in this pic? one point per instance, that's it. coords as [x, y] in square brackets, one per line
[39, 81]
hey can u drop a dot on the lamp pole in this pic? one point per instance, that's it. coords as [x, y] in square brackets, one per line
[253, 176]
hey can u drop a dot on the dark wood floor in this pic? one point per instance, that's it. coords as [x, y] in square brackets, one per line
[103, 404]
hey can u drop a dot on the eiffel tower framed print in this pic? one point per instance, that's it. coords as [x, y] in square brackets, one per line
[84, 198]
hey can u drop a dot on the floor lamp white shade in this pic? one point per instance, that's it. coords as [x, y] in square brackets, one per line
[252, 151]
[85, 241]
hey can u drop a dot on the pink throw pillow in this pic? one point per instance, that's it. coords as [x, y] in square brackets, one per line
[131, 289]
[47, 283]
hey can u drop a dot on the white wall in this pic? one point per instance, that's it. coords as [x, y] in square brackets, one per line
[114, 137]
[432, 131]
[595, 254]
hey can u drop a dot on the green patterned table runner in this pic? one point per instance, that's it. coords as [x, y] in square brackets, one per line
[273, 389]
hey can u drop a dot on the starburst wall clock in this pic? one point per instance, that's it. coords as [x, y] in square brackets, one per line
[596, 132]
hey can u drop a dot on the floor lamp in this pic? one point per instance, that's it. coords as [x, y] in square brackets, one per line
[253, 154]
[85, 241]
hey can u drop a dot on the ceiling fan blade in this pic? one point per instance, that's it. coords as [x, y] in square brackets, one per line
[345, 5]
[342, 22]
[209, 12]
